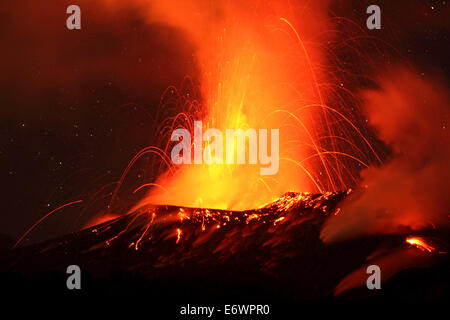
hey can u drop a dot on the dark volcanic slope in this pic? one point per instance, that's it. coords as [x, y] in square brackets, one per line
[187, 254]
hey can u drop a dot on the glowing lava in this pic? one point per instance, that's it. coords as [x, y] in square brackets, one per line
[420, 243]
[261, 67]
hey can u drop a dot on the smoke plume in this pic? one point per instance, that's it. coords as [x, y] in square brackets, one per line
[410, 191]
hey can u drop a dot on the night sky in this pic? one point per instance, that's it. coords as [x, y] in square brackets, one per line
[77, 105]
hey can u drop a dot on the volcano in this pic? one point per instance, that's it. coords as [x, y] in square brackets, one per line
[177, 255]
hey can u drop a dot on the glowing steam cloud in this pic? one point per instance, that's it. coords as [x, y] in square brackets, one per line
[409, 192]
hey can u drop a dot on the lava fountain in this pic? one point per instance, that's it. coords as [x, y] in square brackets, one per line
[261, 67]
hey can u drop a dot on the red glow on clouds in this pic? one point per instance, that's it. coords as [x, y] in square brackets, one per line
[410, 191]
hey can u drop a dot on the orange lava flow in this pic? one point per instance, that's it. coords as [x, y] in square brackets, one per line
[178, 235]
[420, 243]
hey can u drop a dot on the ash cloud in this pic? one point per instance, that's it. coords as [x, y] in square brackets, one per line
[410, 191]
